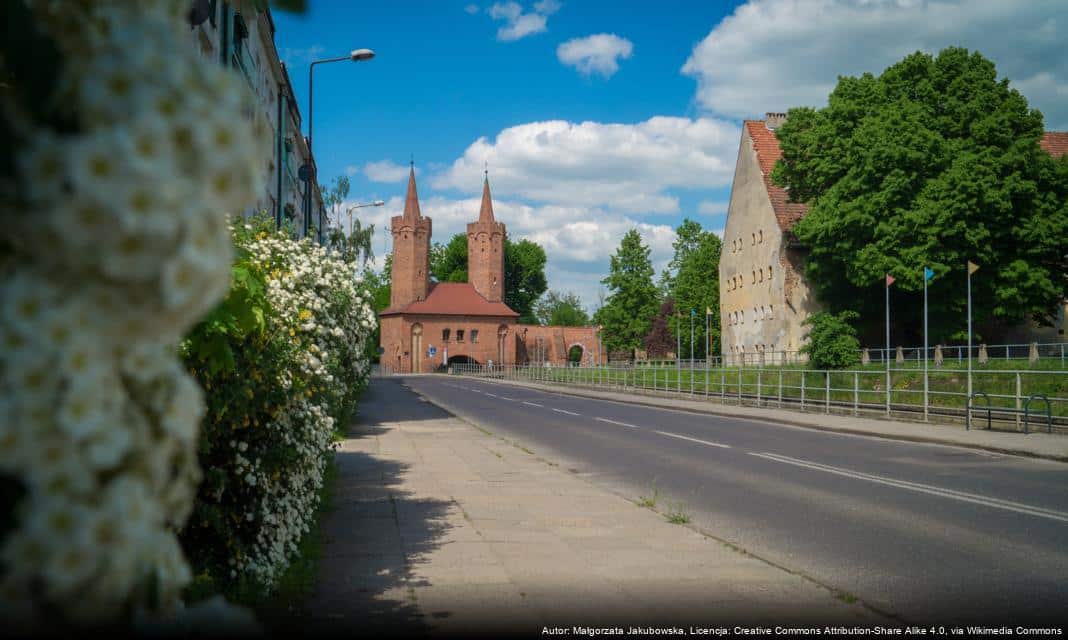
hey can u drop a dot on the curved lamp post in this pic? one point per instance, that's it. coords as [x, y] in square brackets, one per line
[356, 55]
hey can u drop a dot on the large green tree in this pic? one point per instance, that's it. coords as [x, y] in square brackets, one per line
[633, 299]
[561, 309]
[524, 271]
[932, 163]
[693, 280]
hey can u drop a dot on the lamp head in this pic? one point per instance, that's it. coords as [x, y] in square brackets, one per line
[378, 203]
[361, 54]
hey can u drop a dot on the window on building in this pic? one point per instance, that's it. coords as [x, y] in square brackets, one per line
[760, 236]
[762, 274]
[743, 316]
[459, 335]
[754, 276]
[754, 239]
[474, 335]
[771, 311]
[769, 272]
[445, 335]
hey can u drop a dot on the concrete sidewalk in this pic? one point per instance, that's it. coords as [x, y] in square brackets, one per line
[1034, 444]
[441, 528]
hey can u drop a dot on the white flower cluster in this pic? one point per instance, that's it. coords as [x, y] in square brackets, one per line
[318, 307]
[122, 245]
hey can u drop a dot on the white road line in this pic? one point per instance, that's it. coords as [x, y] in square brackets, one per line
[509, 399]
[711, 444]
[533, 404]
[996, 503]
[492, 395]
[622, 424]
[570, 413]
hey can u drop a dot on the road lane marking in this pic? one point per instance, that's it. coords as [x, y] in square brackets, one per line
[533, 404]
[622, 424]
[952, 494]
[711, 444]
[509, 399]
[492, 395]
[570, 413]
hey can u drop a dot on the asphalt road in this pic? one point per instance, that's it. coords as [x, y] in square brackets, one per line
[930, 534]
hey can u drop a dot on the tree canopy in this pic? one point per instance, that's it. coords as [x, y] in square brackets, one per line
[632, 299]
[561, 309]
[693, 284]
[524, 271]
[932, 163]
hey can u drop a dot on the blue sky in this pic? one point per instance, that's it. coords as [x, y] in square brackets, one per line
[596, 117]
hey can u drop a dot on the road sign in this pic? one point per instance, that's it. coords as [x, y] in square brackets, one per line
[433, 351]
[381, 349]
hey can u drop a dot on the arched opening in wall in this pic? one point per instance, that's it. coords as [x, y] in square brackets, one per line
[574, 355]
[462, 360]
[417, 348]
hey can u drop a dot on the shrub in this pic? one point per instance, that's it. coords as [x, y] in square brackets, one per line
[832, 341]
[282, 362]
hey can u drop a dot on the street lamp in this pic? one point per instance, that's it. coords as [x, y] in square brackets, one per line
[376, 203]
[356, 55]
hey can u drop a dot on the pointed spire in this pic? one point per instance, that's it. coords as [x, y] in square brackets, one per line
[411, 202]
[486, 213]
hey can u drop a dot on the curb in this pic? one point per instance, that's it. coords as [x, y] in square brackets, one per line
[786, 421]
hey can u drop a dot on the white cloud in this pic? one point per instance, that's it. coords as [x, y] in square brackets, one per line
[301, 55]
[599, 53]
[519, 24]
[620, 167]
[385, 171]
[471, 9]
[577, 240]
[351, 170]
[712, 208]
[770, 55]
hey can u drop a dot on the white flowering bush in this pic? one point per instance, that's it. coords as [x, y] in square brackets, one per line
[282, 362]
[115, 169]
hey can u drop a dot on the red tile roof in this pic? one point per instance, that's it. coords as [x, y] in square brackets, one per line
[454, 299]
[768, 152]
[1055, 143]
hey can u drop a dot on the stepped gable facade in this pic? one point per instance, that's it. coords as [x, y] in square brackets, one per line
[763, 294]
[429, 325]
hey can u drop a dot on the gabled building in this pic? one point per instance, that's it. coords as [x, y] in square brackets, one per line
[432, 324]
[763, 294]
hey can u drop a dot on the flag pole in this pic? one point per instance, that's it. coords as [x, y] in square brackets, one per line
[925, 385]
[887, 353]
[968, 405]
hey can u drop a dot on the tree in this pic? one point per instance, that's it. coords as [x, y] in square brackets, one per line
[694, 285]
[561, 309]
[632, 297]
[524, 271]
[660, 340]
[346, 237]
[832, 340]
[379, 285]
[933, 163]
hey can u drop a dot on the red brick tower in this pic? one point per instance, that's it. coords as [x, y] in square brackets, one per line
[411, 251]
[485, 251]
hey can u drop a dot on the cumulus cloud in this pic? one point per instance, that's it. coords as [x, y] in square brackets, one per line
[471, 9]
[620, 167]
[302, 55]
[577, 240]
[770, 55]
[599, 53]
[385, 171]
[519, 23]
[713, 207]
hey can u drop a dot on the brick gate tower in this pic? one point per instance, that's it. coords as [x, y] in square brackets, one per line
[411, 251]
[485, 251]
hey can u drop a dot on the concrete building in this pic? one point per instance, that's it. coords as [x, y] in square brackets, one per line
[763, 294]
[244, 41]
[432, 324]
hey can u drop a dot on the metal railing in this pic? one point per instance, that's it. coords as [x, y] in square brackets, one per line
[850, 392]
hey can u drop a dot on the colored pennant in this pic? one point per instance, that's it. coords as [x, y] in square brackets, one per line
[972, 267]
[927, 273]
[708, 311]
[889, 279]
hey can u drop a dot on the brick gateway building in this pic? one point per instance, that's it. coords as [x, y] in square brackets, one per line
[463, 322]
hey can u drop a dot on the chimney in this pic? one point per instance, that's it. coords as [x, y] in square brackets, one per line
[774, 120]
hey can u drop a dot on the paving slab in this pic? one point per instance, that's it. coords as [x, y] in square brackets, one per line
[441, 529]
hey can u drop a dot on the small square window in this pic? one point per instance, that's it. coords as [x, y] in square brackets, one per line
[459, 335]
[445, 335]
[474, 335]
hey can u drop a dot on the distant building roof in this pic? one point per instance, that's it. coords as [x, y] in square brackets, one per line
[1055, 143]
[768, 152]
[454, 299]
[766, 145]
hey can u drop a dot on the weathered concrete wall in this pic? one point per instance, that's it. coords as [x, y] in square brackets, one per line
[763, 298]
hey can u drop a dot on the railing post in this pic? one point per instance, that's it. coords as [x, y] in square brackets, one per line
[827, 397]
[739, 386]
[802, 389]
[856, 393]
[723, 385]
[780, 387]
[759, 371]
[1018, 406]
